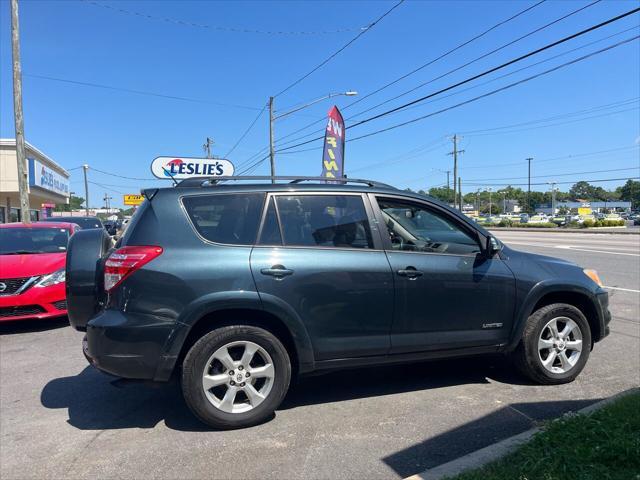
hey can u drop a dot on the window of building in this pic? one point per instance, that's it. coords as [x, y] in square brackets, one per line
[325, 221]
[231, 219]
[14, 215]
[3, 214]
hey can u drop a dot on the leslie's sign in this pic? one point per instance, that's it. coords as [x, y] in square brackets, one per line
[180, 168]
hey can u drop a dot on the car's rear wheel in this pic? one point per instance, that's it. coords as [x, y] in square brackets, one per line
[236, 376]
[555, 344]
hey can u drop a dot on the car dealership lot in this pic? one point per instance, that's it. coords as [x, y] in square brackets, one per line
[61, 418]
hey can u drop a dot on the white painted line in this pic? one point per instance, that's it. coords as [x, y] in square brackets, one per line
[570, 247]
[622, 289]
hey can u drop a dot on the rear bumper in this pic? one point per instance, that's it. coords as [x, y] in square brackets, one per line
[34, 304]
[129, 345]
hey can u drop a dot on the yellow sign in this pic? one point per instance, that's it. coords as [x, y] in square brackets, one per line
[584, 211]
[133, 199]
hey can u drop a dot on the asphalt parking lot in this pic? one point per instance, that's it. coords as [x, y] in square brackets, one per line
[60, 418]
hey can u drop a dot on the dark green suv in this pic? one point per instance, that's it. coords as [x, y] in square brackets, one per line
[237, 285]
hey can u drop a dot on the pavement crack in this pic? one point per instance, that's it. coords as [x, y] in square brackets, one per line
[532, 420]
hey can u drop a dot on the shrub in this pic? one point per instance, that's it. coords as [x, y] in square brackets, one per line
[588, 223]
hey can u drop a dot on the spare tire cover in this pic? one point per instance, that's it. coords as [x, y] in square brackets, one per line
[83, 283]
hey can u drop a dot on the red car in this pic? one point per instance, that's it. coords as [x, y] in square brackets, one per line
[32, 275]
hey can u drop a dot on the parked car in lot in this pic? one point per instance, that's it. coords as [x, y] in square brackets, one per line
[237, 287]
[32, 269]
[82, 222]
[112, 226]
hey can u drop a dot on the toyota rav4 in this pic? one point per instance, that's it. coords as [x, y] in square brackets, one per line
[236, 287]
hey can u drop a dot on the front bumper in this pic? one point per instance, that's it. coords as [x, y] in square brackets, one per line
[35, 303]
[602, 297]
[129, 345]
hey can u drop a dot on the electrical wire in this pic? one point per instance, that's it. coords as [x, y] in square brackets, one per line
[333, 55]
[235, 145]
[553, 175]
[138, 92]
[485, 55]
[545, 183]
[482, 74]
[493, 92]
[217, 27]
[430, 62]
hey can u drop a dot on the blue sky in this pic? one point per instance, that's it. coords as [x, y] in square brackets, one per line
[590, 109]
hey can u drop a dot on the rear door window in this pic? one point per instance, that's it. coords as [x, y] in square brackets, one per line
[324, 221]
[227, 218]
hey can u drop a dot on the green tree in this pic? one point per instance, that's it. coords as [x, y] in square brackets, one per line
[75, 203]
[630, 192]
[442, 193]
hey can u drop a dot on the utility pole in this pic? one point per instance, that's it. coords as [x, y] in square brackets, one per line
[529, 186]
[504, 202]
[85, 167]
[455, 167]
[460, 192]
[21, 154]
[478, 201]
[553, 197]
[272, 153]
[207, 147]
[490, 206]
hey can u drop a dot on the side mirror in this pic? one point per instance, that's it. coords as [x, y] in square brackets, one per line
[492, 246]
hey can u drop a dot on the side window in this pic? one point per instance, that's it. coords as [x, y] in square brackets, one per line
[412, 227]
[228, 218]
[325, 221]
[271, 230]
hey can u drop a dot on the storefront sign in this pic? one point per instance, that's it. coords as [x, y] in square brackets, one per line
[133, 199]
[44, 177]
[180, 168]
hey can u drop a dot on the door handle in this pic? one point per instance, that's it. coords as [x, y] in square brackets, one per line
[277, 271]
[410, 272]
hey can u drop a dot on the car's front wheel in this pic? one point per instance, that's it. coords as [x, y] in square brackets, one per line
[236, 376]
[555, 344]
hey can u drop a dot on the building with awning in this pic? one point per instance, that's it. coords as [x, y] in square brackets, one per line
[48, 182]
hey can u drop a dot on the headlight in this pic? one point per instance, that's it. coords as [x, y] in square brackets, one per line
[52, 279]
[593, 275]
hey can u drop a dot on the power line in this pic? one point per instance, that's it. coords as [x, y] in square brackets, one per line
[218, 27]
[139, 92]
[553, 175]
[482, 74]
[440, 57]
[545, 183]
[493, 92]
[495, 50]
[333, 55]
[464, 65]
[565, 157]
[123, 176]
[245, 132]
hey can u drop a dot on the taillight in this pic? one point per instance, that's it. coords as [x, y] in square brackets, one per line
[126, 260]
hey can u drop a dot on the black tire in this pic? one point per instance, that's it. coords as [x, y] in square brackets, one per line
[526, 356]
[196, 361]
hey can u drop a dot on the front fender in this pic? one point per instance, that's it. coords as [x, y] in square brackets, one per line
[534, 295]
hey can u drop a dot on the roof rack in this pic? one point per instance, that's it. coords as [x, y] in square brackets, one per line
[207, 182]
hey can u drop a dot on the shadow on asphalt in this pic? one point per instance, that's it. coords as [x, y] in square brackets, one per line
[27, 326]
[506, 422]
[96, 401]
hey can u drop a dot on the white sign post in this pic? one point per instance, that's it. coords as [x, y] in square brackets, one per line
[180, 168]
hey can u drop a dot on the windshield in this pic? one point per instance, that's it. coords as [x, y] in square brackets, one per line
[84, 222]
[15, 241]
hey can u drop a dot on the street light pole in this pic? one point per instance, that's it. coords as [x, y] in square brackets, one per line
[21, 155]
[273, 117]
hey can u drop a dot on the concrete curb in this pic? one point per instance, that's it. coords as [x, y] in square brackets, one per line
[567, 230]
[498, 450]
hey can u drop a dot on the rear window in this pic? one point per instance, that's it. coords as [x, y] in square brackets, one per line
[229, 218]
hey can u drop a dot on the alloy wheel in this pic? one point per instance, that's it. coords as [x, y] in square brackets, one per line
[560, 345]
[238, 377]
